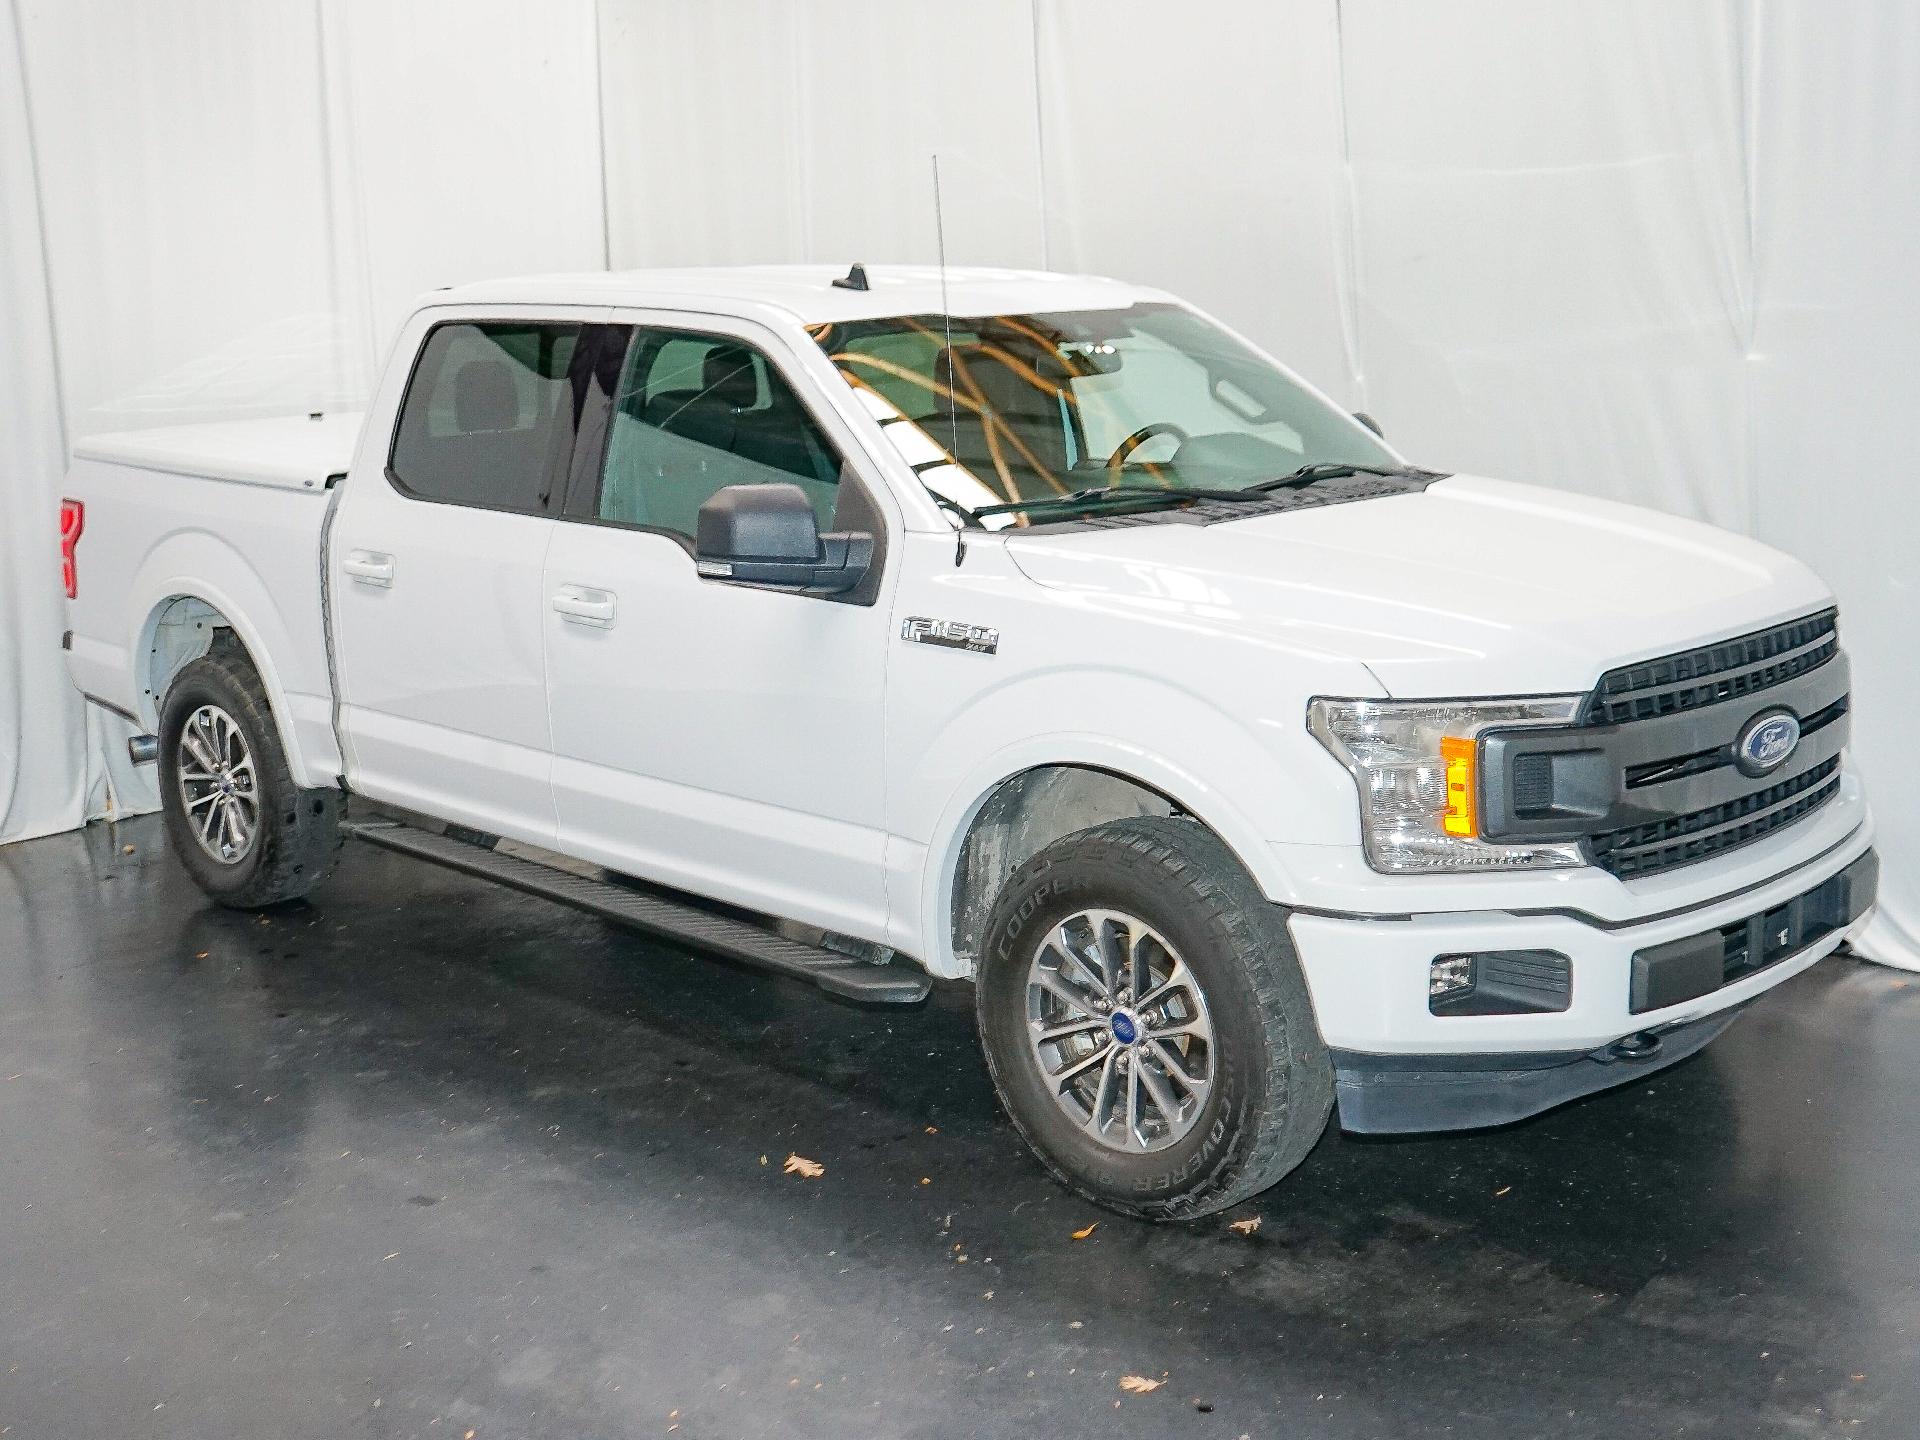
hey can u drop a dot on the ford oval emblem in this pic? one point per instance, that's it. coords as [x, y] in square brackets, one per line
[1766, 741]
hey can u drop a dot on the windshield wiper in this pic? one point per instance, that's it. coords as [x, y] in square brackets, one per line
[1325, 470]
[1101, 495]
[1109, 494]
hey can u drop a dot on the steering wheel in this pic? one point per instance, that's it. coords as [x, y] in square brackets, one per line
[1140, 437]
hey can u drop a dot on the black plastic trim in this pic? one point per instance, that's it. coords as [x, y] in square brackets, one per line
[1415, 1094]
[1696, 965]
[1509, 982]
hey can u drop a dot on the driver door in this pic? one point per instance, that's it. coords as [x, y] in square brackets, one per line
[716, 737]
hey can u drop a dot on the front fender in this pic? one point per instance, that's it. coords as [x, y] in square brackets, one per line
[1247, 781]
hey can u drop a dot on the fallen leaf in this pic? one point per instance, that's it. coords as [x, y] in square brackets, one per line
[1501, 1191]
[800, 1165]
[199, 954]
[763, 1159]
[926, 1180]
[933, 1129]
[1139, 1384]
[126, 849]
[1083, 1234]
[1246, 1226]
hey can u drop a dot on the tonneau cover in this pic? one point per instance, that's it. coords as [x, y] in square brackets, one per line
[294, 452]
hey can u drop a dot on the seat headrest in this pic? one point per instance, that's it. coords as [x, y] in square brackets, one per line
[727, 377]
[484, 397]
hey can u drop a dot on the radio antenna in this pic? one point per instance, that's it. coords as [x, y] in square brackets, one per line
[946, 314]
[953, 376]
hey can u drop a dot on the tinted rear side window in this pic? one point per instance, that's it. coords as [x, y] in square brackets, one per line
[488, 418]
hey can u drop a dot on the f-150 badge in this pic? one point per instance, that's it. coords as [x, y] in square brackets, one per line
[950, 635]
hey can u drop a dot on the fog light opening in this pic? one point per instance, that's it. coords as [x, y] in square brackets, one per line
[1449, 976]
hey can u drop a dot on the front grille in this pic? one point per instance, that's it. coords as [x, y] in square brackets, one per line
[1730, 670]
[1683, 839]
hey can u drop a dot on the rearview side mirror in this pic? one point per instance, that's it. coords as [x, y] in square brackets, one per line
[768, 535]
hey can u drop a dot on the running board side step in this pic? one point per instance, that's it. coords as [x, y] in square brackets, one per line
[895, 983]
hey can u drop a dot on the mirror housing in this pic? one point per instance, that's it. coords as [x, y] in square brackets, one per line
[1371, 423]
[767, 535]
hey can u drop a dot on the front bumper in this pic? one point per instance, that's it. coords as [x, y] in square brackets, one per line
[1400, 1067]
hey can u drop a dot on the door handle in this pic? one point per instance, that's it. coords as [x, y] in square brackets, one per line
[584, 605]
[369, 567]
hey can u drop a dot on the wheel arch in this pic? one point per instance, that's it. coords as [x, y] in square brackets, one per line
[1027, 802]
[181, 625]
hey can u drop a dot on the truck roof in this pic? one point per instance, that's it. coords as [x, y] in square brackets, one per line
[808, 293]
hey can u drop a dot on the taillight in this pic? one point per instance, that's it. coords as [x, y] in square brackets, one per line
[73, 519]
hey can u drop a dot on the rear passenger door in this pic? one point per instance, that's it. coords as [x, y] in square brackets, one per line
[436, 556]
[713, 736]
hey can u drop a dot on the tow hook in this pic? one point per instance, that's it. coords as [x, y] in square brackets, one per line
[1642, 1045]
[143, 749]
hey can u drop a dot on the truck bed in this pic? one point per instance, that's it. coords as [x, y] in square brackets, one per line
[231, 512]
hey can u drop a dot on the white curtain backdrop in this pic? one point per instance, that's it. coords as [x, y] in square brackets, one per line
[1651, 251]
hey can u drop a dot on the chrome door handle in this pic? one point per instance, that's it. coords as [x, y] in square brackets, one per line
[584, 605]
[369, 567]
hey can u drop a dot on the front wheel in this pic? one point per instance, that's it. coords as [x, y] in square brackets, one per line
[1147, 1023]
[246, 833]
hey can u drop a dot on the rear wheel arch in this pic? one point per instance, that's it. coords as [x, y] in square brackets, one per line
[181, 626]
[220, 746]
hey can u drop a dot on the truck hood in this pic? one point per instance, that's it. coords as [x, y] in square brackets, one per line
[1470, 587]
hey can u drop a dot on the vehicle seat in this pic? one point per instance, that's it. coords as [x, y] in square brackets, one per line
[484, 398]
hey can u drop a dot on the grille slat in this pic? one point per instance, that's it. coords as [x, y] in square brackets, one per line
[1682, 839]
[1730, 670]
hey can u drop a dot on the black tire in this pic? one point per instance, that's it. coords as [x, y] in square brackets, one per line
[297, 831]
[1272, 1085]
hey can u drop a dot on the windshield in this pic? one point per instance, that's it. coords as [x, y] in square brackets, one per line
[1004, 408]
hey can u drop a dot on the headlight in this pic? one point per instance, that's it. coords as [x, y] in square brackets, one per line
[1416, 764]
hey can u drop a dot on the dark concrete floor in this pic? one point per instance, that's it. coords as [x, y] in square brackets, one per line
[424, 1158]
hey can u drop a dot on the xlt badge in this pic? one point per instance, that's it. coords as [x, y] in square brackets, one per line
[950, 634]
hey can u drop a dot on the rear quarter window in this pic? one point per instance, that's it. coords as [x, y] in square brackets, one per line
[488, 415]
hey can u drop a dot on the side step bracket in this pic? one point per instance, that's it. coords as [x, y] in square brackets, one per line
[895, 983]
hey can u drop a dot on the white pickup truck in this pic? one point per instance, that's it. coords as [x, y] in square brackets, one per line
[1030, 628]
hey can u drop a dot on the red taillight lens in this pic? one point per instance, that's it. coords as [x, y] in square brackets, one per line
[73, 519]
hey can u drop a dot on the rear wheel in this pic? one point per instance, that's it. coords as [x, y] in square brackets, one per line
[1147, 1024]
[246, 833]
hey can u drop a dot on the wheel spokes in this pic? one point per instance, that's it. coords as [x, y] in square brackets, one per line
[217, 784]
[1067, 1029]
[1103, 1097]
[1061, 944]
[1119, 1028]
[1074, 1069]
[1075, 1001]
